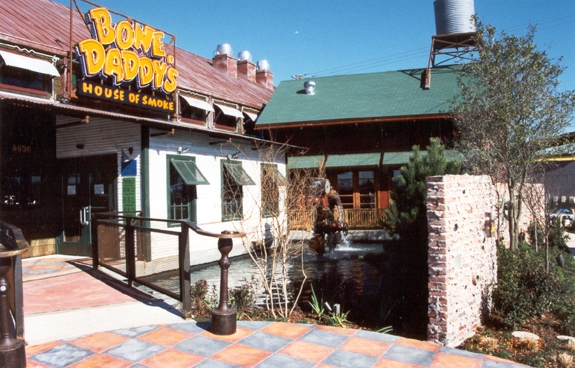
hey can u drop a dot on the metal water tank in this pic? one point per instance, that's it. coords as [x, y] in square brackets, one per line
[453, 16]
[263, 65]
[245, 55]
[224, 48]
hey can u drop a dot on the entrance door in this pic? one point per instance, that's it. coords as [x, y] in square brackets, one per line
[88, 186]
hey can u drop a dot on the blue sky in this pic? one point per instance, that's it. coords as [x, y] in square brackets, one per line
[323, 38]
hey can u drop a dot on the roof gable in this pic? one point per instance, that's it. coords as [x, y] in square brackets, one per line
[361, 96]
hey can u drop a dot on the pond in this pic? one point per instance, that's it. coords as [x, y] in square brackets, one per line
[346, 260]
[379, 284]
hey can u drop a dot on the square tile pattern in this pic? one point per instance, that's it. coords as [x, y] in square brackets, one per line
[255, 344]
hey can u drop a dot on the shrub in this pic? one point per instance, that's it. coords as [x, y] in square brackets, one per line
[202, 300]
[243, 297]
[557, 236]
[525, 290]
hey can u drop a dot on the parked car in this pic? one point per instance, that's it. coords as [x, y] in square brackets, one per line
[566, 216]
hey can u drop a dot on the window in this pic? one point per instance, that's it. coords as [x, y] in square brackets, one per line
[271, 180]
[22, 187]
[366, 189]
[25, 79]
[226, 117]
[345, 189]
[194, 113]
[195, 109]
[183, 177]
[357, 189]
[233, 179]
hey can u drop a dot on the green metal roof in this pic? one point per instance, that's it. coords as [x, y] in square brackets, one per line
[396, 158]
[402, 158]
[353, 160]
[361, 96]
[305, 162]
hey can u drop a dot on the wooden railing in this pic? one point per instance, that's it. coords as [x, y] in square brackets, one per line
[363, 218]
[301, 220]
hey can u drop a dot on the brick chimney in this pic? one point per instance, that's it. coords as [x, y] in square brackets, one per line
[226, 64]
[265, 78]
[247, 69]
[263, 74]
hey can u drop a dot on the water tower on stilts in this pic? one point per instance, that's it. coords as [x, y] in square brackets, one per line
[455, 31]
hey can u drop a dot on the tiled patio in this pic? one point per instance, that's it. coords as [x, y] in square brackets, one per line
[190, 344]
[255, 344]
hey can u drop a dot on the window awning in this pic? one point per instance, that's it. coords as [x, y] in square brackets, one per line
[353, 160]
[189, 172]
[305, 162]
[238, 173]
[28, 63]
[275, 174]
[230, 111]
[396, 158]
[251, 115]
[402, 158]
[198, 103]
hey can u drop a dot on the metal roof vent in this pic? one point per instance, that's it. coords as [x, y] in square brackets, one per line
[263, 65]
[245, 55]
[224, 49]
[309, 87]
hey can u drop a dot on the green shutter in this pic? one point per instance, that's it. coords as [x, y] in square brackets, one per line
[238, 173]
[278, 177]
[189, 172]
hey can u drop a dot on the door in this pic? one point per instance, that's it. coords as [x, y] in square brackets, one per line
[88, 186]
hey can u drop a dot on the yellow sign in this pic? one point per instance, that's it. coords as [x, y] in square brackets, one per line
[126, 52]
[118, 95]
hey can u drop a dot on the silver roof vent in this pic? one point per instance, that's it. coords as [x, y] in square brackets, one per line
[245, 55]
[224, 49]
[263, 65]
[309, 87]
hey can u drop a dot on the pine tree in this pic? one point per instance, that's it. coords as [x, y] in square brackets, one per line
[407, 214]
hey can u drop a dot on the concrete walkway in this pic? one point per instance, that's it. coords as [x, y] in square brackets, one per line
[75, 317]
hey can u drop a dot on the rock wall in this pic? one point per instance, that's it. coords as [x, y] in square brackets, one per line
[462, 255]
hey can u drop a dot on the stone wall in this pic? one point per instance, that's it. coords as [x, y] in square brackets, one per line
[462, 255]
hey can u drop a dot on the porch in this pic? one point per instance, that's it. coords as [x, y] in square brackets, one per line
[357, 219]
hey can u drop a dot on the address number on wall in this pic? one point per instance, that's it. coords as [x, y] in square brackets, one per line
[21, 148]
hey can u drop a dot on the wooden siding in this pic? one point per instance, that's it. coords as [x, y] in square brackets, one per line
[209, 212]
[102, 136]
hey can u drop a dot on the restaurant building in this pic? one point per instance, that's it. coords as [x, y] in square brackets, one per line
[103, 113]
[360, 129]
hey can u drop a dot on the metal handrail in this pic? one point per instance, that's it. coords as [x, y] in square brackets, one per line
[223, 312]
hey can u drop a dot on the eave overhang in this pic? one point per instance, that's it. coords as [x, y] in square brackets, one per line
[387, 119]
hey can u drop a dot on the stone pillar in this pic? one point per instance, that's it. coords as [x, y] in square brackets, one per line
[462, 255]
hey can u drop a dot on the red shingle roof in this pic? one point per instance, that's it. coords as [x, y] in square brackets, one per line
[43, 25]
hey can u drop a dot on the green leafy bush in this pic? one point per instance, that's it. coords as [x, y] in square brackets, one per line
[557, 236]
[524, 290]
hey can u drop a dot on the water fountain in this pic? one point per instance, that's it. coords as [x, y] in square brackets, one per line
[328, 231]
